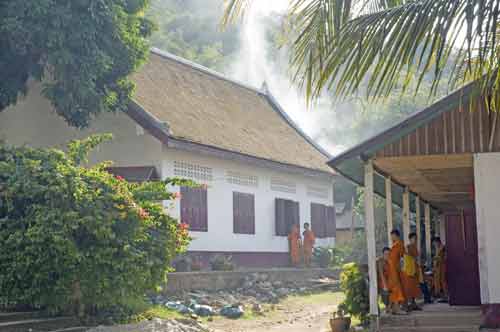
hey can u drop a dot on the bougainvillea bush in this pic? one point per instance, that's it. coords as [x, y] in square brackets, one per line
[79, 237]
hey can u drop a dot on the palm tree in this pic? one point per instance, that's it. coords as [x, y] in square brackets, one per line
[383, 44]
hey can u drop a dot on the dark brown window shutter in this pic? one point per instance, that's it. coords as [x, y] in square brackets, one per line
[194, 210]
[280, 219]
[323, 222]
[318, 220]
[331, 226]
[287, 214]
[243, 213]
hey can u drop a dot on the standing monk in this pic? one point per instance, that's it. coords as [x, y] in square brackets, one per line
[308, 244]
[294, 245]
[396, 296]
[382, 274]
[410, 274]
[439, 269]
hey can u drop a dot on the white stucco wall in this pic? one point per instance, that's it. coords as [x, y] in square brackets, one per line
[487, 188]
[32, 121]
[220, 235]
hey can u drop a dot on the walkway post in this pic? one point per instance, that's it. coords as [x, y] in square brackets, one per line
[406, 215]
[418, 224]
[388, 209]
[427, 222]
[370, 239]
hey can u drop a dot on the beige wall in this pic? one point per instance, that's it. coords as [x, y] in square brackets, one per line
[33, 122]
[487, 189]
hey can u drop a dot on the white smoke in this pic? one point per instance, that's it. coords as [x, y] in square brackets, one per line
[253, 66]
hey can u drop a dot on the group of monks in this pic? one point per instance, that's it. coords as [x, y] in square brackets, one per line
[400, 274]
[301, 246]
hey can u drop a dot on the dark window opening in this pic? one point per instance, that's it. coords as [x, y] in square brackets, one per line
[243, 213]
[323, 222]
[194, 211]
[286, 214]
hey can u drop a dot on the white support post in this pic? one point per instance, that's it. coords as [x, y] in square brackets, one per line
[406, 215]
[388, 209]
[427, 222]
[370, 237]
[418, 224]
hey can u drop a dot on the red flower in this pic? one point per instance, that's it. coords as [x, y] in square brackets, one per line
[184, 226]
[177, 195]
[119, 177]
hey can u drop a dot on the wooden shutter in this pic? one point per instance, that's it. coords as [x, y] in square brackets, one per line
[318, 216]
[287, 214]
[243, 213]
[194, 210]
[293, 217]
[280, 218]
[331, 224]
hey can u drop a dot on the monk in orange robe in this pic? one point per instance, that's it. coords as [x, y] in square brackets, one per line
[382, 274]
[439, 269]
[294, 245]
[308, 244]
[396, 296]
[411, 283]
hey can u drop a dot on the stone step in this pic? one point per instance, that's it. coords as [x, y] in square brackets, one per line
[74, 329]
[468, 328]
[432, 319]
[18, 315]
[39, 324]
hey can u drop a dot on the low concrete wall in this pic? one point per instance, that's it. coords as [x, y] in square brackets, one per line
[217, 280]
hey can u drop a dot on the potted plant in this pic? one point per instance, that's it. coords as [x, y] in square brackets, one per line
[182, 264]
[222, 263]
[196, 264]
[323, 256]
[339, 322]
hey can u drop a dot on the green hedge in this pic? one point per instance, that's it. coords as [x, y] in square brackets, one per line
[78, 238]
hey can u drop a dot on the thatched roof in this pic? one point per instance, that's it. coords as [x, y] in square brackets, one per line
[198, 105]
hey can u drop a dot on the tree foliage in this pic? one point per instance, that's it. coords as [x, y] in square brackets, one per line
[81, 50]
[76, 235]
[342, 45]
[189, 29]
[354, 284]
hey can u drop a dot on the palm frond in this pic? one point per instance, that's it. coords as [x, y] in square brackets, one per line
[234, 9]
[380, 45]
[422, 37]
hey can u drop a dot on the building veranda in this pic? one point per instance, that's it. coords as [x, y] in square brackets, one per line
[442, 164]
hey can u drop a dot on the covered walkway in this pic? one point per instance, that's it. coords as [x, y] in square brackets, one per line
[425, 165]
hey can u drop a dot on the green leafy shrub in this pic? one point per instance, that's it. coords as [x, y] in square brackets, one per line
[355, 288]
[80, 238]
[222, 263]
[333, 257]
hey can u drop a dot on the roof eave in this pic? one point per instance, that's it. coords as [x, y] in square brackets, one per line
[364, 150]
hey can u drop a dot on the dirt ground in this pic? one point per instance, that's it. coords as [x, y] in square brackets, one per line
[308, 313]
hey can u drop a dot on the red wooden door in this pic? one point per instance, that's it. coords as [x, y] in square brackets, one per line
[462, 258]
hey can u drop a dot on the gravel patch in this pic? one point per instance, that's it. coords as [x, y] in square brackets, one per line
[155, 325]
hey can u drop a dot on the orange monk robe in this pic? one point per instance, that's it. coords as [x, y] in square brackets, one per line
[411, 284]
[382, 273]
[308, 245]
[439, 273]
[394, 273]
[294, 243]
